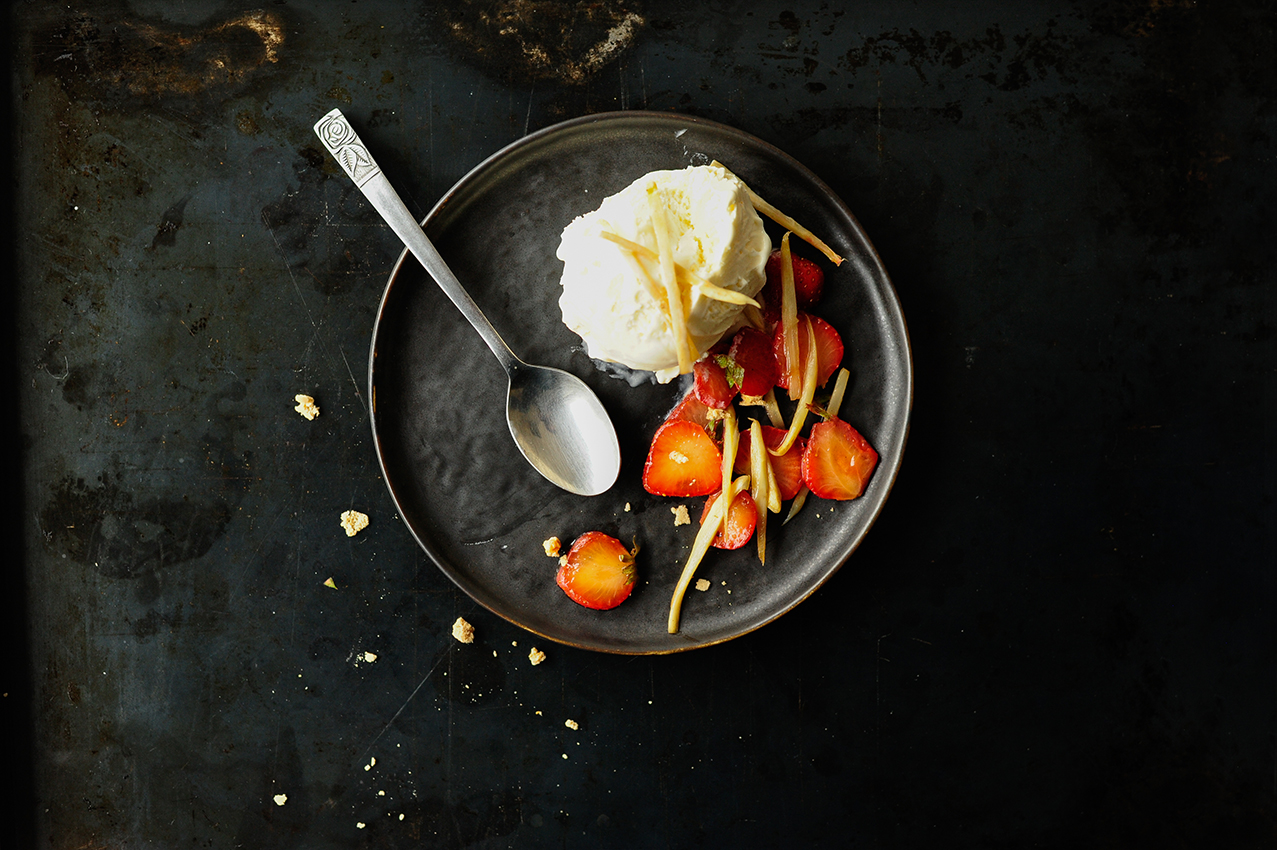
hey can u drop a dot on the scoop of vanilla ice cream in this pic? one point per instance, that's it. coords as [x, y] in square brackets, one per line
[617, 308]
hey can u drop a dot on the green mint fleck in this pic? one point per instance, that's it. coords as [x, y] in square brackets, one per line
[735, 374]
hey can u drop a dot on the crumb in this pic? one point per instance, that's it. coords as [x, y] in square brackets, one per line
[536, 656]
[354, 522]
[552, 546]
[571, 724]
[281, 799]
[463, 631]
[370, 657]
[306, 406]
[359, 824]
[627, 507]
[702, 584]
[330, 583]
[563, 560]
[681, 516]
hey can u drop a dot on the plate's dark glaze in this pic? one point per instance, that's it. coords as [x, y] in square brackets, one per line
[481, 512]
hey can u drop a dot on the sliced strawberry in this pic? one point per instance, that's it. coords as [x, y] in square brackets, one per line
[809, 280]
[788, 467]
[752, 352]
[691, 409]
[829, 349]
[598, 571]
[683, 461]
[838, 461]
[709, 383]
[742, 516]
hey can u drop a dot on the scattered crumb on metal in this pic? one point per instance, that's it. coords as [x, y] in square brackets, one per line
[354, 522]
[306, 406]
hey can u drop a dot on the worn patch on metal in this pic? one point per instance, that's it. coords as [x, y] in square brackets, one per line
[543, 39]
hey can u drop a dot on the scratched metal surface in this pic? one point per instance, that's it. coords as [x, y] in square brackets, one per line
[1059, 633]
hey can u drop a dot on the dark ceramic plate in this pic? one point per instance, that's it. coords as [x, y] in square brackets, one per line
[466, 493]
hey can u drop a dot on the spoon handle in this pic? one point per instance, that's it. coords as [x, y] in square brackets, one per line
[353, 156]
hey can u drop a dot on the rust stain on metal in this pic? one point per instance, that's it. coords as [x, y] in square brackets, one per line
[144, 59]
[544, 39]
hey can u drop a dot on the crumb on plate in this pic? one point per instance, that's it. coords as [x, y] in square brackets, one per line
[552, 546]
[702, 584]
[571, 724]
[536, 656]
[681, 516]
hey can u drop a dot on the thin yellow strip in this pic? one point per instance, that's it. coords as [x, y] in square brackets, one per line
[789, 318]
[840, 388]
[669, 279]
[700, 547]
[786, 222]
[695, 281]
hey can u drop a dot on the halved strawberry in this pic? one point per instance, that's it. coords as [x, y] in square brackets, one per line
[838, 461]
[709, 383]
[598, 571]
[742, 517]
[682, 461]
[809, 280]
[752, 352]
[788, 467]
[691, 409]
[829, 349]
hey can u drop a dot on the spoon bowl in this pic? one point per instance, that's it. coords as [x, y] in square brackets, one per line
[556, 420]
[563, 431]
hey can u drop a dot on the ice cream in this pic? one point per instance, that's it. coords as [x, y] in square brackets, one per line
[616, 281]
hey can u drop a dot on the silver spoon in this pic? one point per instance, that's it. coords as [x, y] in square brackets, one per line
[556, 420]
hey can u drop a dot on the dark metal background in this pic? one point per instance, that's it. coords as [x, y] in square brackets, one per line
[1060, 633]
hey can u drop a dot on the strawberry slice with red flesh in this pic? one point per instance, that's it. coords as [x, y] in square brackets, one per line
[742, 516]
[788, 467]
[829, 349]
[752, 352]
[838, 461]
[598, 571]
[809, 282]
[710, 384]
[682, 461]
[690, 409]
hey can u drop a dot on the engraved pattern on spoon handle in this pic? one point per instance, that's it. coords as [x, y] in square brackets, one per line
[352, 155]
[346, 147]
